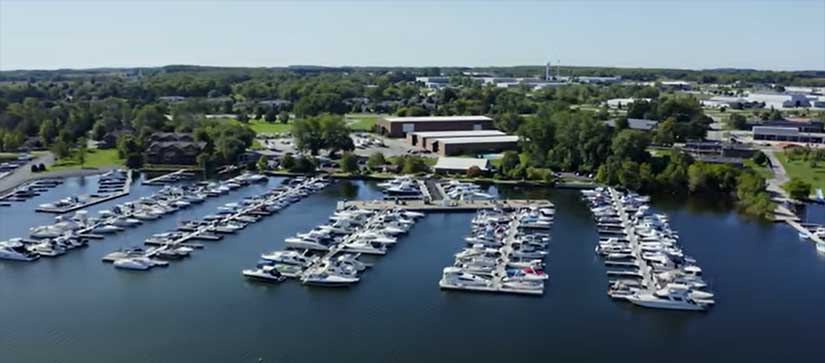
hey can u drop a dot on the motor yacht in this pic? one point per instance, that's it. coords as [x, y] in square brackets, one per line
[667, 298]
[138, 263]
[288, 258]
[264, 273]
[16, 251]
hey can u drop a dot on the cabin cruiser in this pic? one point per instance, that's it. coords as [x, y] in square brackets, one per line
[264, 273]
[367, 247]
[16, 251]
[671, 297]
[288, 258]
[47, 249]
[107, 228]
[138, 263]
[456, 277]
[324, 277]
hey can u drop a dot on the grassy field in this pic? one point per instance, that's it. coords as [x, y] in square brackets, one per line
[262, 127]
[802, 169]
[94, 159]
[763, 171]
[362, 121]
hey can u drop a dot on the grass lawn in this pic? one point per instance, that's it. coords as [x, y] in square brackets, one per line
[362, 121]
[802, 169]
[260, 126]
[763, 171]
[95, 158]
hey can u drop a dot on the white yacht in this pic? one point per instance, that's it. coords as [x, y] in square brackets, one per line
[16, 251]
[264, 273]
[329, 279]
[288, 258]
[138, 263]
[47, 249]
[667, 298]
[455, 277]
[367, 247]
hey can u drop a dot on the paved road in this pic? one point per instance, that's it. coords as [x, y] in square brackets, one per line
[779, 175]
[24, 172]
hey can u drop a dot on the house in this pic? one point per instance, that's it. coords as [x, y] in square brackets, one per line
[170, 148]
[400, 126]
[109, 140]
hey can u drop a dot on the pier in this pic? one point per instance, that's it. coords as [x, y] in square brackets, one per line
[92, 199]
[445, 205]
[170, 178]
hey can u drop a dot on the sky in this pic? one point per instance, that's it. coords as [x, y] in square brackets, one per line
[692, 34]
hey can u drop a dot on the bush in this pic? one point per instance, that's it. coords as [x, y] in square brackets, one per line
[304, 164]
[760, 158]
[376, 161]
[288, 162]
[474, 171]
[798, 189]
[349, 163]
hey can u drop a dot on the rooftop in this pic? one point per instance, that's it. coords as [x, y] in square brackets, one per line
[478, 140]
[459, 133]
[437, 118]
[446, 163]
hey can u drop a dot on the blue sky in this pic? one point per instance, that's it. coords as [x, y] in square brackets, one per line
[38, 34]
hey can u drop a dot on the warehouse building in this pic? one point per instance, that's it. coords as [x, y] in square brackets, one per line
[419, 139]
[460, 165]
[401, 126]
[473, 145]
[786, 134]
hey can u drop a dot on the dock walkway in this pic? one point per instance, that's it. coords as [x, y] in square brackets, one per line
[92, 200]
[445, 205]
[171, 177]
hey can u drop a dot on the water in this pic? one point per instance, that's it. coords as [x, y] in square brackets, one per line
[770, 290]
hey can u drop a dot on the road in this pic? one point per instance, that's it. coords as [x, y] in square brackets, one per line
[24, 172]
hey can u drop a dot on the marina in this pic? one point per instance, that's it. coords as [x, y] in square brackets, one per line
[111, 185]
[328, 255]
[399, 289]
[68, 233]
[230, 218]
[506, 253]
[655, 273]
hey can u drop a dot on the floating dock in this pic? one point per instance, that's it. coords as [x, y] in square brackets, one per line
[445, 205]
[170, 178]
[92, 200]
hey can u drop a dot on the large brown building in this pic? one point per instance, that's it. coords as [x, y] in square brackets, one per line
[421, 138]
[401, 126]
[167, 148]
[473, 145]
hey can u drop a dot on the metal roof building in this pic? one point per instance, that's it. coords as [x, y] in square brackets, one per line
[401, 126]
[791, 134]
[463, 145]
[447, 164]
[420, 139]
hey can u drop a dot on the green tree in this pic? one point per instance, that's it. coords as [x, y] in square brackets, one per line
[262, 164]
[736, 121]
[509, 161]
[376, 161]
[283, 116]
[288, 161]
[271, 115]
[631, 144]
[666, 132]
[81, 152]
[48, 131]
[798, 188]
[349, 163]
[60, 149]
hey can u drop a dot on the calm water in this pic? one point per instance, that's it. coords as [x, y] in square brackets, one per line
[770, 290]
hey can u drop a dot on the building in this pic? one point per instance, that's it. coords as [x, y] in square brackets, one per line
[419, 139]
[787, 134]
[434, 82]
[719, 149]
[473, 145]
[460, 165]
[401, 126]
[803, 125]
[730, 102]
[780, 100]
[620, 103]
[636, 124]
[169, 148]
